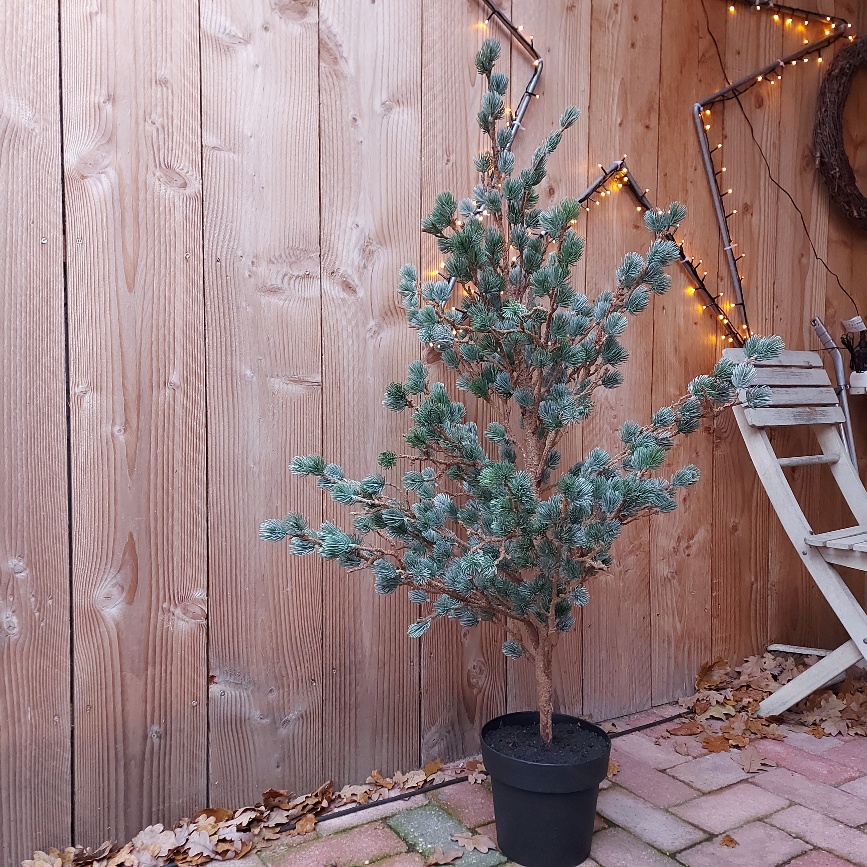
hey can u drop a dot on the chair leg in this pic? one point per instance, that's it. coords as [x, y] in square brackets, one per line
[815, 677]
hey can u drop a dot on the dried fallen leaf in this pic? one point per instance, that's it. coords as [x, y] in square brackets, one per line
[681, 748]
[432, 767]
[716, 743]
[817, 732]
[477, 777]
[439, 857]
[217, 814]
[718, 711]
[712, 673]
[613, 767]
[379, 780]
[752, 761]
[474, 842]
[690, 727]
[728, 840]
[304, 825]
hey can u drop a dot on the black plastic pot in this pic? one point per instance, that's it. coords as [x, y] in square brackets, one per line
[544, 813]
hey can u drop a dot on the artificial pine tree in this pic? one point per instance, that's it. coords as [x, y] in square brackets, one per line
[490, 528]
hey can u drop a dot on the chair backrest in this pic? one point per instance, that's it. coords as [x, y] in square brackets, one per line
[801, 391]
[801, 394]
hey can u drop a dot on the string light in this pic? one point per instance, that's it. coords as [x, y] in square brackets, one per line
[833, 29]
[615, 177]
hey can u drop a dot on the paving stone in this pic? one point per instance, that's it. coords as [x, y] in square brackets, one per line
[759, 845]
[617, 848]
[710, 772]
[824, 833]
[651, 824]
[408, 859]
[469, 803]
[816, 746]
[354, 848]
[489, 831]
[852, 754]
[362, 817]
[667, 710]
[819, 858]
[633, 720]
[251, 860]
[427, 827]
[842, 806]
[726, 809]
[819, 768]
[659, 756]
[648, 783]
[858, 788]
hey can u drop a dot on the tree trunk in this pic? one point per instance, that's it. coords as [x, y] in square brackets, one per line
[545, 688]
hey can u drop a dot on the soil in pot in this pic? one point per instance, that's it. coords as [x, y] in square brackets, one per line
[572, 744]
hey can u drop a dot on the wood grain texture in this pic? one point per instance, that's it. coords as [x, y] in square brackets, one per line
[378, 101]
[262, 285]
[798, 613]
[624, 114]
[463, 671]
[565, 81]
[370, 141]
[134, 232]
[741, 515]
[35, 796]
[684, 345]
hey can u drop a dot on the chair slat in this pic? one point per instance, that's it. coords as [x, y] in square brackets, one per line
[803, 397]
[793, 415]
[791, 376]
[807, 460]
[787, 358]
[821, 538]
[847, 544]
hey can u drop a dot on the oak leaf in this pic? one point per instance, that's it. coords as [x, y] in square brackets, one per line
[752, 761]
[477, 777]
[712, 673]
[304, 825]
[438, 857]
[716, 743]
[432, 767]
[728, 840]
[474, 842]
[613, 767]
[690, 727]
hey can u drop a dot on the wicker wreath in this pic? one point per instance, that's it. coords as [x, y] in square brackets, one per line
[831, 157]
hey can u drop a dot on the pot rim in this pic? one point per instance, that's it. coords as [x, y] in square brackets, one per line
[557, 717]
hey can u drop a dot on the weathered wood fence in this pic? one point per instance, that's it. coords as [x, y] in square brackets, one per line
[204, 207]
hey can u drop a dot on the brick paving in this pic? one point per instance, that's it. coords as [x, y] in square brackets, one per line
[662, 808]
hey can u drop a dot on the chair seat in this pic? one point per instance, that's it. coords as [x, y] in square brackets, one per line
[848, 539]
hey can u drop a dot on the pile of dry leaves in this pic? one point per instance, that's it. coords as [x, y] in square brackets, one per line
[727, 700]
[217, 834]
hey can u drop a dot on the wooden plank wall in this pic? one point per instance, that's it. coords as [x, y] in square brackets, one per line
[238, 183]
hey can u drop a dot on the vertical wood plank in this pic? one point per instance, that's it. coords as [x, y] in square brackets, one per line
[684, 345]
[370, 135]
[260, 96]
[624, 114]
[35, 794]
[799, 613]
[132, 159]
[741, 513]
[561, 33]
[463, 671]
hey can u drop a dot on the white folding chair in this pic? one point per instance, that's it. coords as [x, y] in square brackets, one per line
[802, 396]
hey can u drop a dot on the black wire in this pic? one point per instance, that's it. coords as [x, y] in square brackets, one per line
[773, 180]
